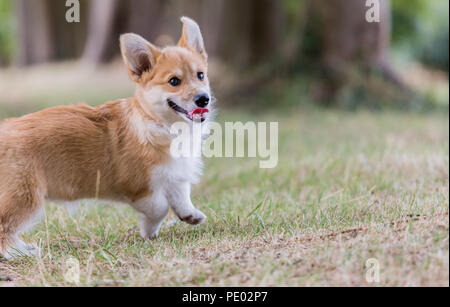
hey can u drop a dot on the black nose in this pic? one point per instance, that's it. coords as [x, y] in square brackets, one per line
[201, 100]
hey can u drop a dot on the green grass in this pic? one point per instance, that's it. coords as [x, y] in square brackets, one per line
[348, 187]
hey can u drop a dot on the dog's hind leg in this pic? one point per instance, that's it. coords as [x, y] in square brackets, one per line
[19, 205]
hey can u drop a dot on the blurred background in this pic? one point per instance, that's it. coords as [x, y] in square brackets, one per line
[264, 54]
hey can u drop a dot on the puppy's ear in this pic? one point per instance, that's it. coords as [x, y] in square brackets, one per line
[138, 54]
[192, 36]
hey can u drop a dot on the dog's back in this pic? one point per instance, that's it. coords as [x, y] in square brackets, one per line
[78, 152]
[53, 143]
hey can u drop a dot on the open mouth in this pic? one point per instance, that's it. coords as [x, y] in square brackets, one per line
[196, 115]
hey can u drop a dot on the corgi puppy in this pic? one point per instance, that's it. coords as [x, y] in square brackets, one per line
[119, 151]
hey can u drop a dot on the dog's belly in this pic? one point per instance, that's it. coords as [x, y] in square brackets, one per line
[97, 187]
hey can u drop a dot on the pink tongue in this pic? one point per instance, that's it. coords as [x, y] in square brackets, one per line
[200, 111]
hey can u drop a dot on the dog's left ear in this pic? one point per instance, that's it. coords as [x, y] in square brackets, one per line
[192, 36]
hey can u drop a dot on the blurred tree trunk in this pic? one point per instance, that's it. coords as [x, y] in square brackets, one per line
[110, 18]
[100, 29]
[69, 38]
[34, 32]
[266, 28]
[250, 31]
[348, 40]
[145, 18]
[210, 21]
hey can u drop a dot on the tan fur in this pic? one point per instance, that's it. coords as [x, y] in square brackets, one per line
[60, 153]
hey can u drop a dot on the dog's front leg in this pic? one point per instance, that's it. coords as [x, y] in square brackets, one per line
[153, 210]
[179, 198]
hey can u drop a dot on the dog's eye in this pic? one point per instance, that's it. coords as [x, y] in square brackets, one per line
[174, 81]
[201, 76]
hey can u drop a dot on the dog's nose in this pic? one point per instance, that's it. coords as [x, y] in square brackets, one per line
[201, 100]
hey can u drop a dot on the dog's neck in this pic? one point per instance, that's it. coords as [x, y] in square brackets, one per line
[146, 126]
[138, 102]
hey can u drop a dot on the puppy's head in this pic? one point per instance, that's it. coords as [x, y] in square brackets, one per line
[172, 83]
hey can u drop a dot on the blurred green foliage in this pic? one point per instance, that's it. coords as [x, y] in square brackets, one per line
[6, 31]
[421, 30]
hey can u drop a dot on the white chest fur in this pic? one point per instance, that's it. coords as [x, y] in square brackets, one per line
[176, 171]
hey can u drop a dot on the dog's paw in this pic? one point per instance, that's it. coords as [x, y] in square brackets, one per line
[195, 218]
[22, 250]
[149, 235]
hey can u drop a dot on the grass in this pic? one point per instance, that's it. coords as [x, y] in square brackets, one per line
[348, 187]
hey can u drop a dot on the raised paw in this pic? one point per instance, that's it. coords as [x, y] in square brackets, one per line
[195, 218]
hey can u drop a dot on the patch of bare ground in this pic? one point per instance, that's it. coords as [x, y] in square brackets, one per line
[411, 252]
